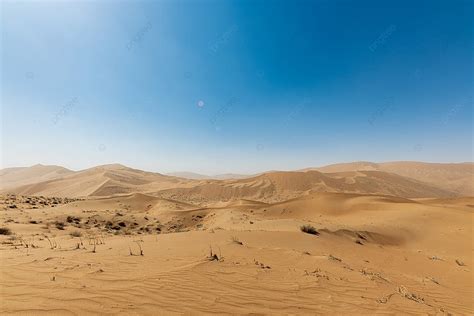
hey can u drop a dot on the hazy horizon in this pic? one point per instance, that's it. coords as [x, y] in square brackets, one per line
[230, 172]
[235, 87]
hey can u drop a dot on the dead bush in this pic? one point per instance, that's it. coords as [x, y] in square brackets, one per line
[75, 233]
[5, 231]
[60, 225]
[308, 229]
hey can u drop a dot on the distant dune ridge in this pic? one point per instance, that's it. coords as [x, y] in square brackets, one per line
[197, 176]
[14, 177]
[402, 179]
[454, 177]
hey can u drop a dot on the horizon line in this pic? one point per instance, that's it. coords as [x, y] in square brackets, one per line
[236, 173]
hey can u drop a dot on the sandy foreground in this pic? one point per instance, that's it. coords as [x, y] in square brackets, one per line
[139, 254]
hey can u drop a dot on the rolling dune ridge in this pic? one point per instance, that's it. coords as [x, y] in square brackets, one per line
[455, 177]
[272, 186]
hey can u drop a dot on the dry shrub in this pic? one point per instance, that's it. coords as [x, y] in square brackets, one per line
[308, 229]
[5, 231]
[236, 240]
[75, 233]
[60, 225]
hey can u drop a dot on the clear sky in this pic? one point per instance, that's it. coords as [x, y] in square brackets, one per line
[235, 86]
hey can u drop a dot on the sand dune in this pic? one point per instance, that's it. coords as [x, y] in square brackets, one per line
[101, 181]
[278, 186]
[372, 255]
[188, 175]
[268, 187]
[14, 177]
[197, 176]
[454, 177]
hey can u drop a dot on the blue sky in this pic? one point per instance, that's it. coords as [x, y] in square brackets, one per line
[235, 86]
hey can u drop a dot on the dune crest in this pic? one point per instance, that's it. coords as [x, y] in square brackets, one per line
[454, 177]
[267, 187]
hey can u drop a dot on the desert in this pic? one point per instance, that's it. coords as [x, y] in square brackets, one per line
[116, 240]
[256, 157]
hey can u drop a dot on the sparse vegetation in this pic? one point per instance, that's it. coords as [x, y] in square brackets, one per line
[213, 256]
[140, 247]
[75, 233]
[331, 257]
[308, 229]
[60, 225]
[236, 240]
[73, 220]
[5, 231]
[52, 243]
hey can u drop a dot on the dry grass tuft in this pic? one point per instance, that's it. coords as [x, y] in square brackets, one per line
[213, 256]
[236, 241]
[308, 229]
[52, 243]
[75, 233]
[60, 225]
[5, 231]
[139, 248]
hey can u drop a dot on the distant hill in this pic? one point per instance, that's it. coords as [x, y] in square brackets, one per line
[188, 175]
[106, 180]
[408, 180]
[455, 177]
[14, 177]
[279, 186]
[197, 176]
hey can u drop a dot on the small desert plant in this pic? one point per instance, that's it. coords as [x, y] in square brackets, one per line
[75, 233]
[140, 247]
[213, 256]
[308, 229]
[52, 243]
[236, 240]
[60, 225]
[73, 219]
[5, 231]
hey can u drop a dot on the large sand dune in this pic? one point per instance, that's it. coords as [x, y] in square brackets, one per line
[101, 181]
[455, 177]
[14, 177]
[272, 186]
